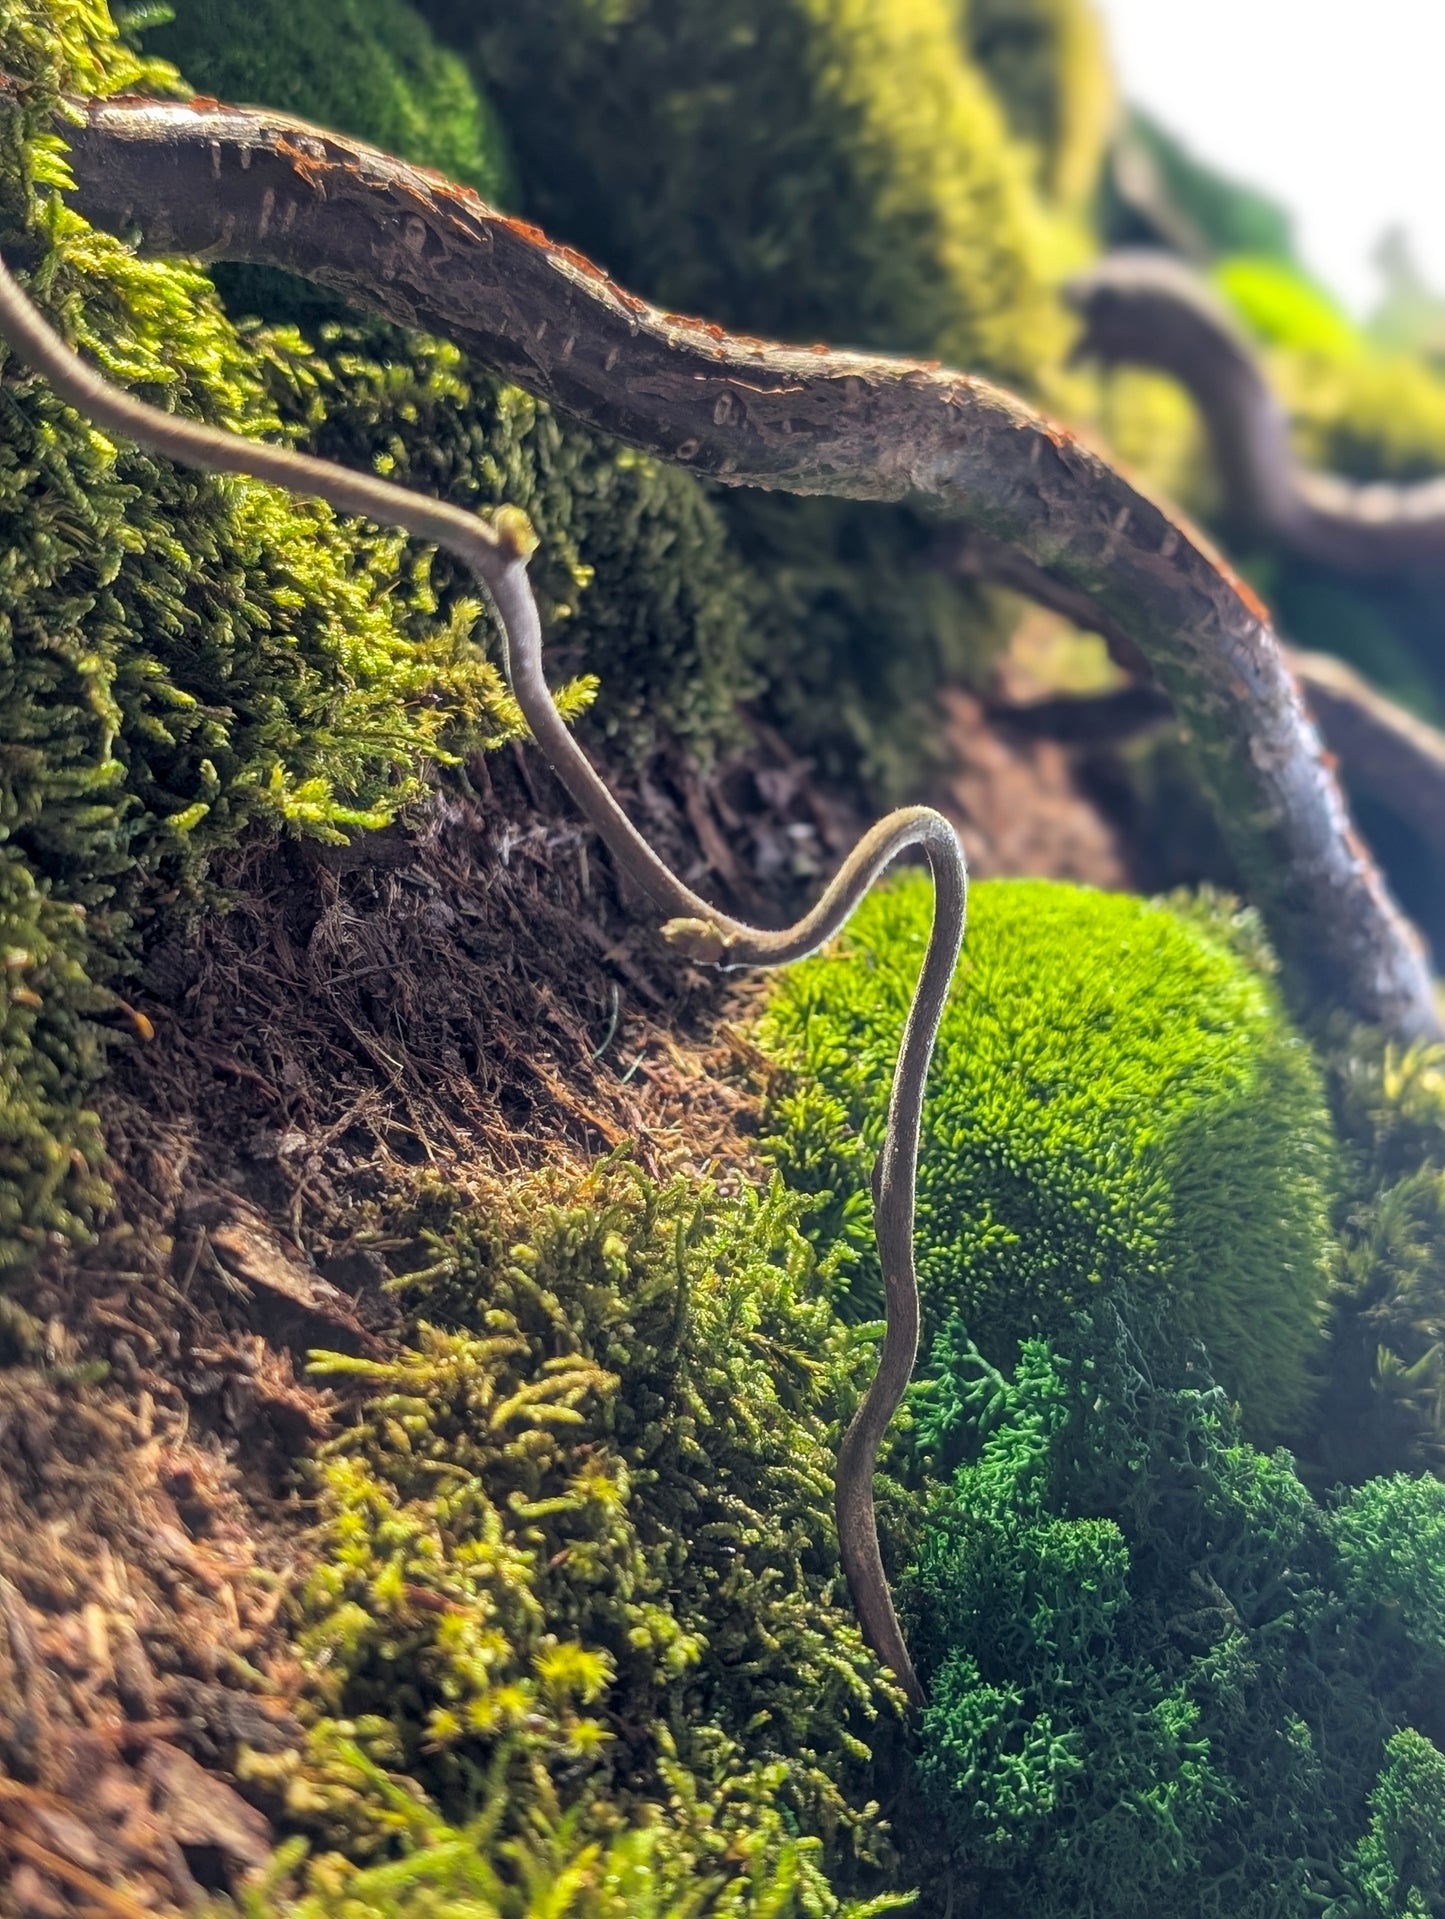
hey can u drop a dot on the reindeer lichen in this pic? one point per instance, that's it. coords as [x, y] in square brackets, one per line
[1163, 1678]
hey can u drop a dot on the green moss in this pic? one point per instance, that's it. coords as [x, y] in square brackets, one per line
[183, 659]
[369, 68]
[1117, 1106]
[811, 170]
[637, 578]
[1047, 64]
[1162, 1678]
[581, 1542]
[472, 1872]
[1281, 306]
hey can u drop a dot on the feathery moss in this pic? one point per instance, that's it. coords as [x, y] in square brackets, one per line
[183, 659]
[580, 1541]
[1117, 1105]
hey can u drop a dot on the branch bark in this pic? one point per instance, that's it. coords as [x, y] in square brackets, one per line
[1145, 309]
[218, 182]
[1382, 750]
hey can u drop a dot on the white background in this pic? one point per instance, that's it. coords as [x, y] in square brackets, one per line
[1336, 108]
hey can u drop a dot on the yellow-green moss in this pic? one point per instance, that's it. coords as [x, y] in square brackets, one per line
[182, 659]
[1117, 1107]
[580, 1542]
[1047, 63]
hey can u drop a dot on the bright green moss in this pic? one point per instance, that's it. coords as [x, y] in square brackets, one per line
[1117, 1106]
[804, 169]
[183, 660]
[582, 1541]
[1162, 1679]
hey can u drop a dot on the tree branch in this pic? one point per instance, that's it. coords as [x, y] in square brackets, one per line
[1145, 309]
[224, 183]
[1384, 751]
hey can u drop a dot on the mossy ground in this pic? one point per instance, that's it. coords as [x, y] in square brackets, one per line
[529, 1601]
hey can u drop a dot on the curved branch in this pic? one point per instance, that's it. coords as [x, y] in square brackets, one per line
[1146, 309]
[497, 556]
[1382, 749]
[225, 183]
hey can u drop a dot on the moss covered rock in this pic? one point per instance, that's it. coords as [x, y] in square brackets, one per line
[1117, 1107]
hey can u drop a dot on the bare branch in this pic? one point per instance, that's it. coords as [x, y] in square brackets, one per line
[1145, 309]
[226, 183]
[1383, 750]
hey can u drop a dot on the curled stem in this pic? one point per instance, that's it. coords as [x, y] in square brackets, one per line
[497, 555]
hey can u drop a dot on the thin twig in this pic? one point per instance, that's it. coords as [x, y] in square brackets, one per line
[221, 182]
[497, 555]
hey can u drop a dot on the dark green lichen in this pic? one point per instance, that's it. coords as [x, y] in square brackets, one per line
[1117, 1104]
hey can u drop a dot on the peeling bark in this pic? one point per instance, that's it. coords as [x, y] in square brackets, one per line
[222, 183]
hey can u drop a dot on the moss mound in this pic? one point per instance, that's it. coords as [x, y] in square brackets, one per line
[579, 1543]
[1117, 1105]
[1163, 1678]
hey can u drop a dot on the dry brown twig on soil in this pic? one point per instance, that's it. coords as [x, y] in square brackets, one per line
[497, 555]
[225, 183]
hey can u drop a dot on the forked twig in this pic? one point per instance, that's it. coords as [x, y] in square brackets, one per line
[497, 555]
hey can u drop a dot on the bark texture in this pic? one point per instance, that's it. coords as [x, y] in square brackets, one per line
[222, 183]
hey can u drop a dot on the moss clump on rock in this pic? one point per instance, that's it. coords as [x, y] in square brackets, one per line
[580, 1541]
[1162, 1678]
[1118, 1105]
[183, 659]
